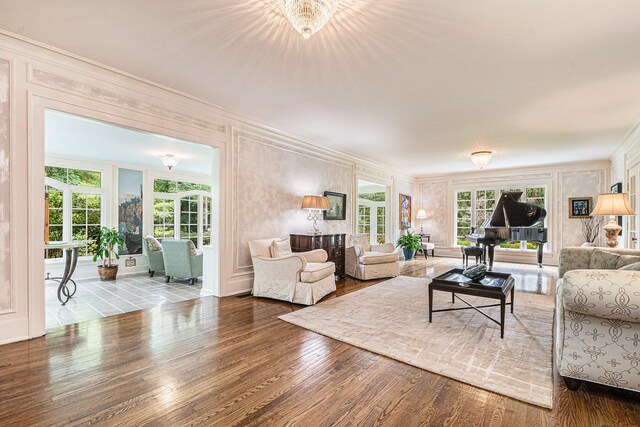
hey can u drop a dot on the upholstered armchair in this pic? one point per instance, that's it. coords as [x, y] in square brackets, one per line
[365, 261]
[300, 278]
[597, 323]
[181, 259]
[153, 251]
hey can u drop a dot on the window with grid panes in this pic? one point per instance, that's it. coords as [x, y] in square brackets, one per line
[464, 217]
[189, 219]
[85, 221]
[163, 218]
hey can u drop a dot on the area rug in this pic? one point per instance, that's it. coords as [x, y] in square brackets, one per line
[391, 319]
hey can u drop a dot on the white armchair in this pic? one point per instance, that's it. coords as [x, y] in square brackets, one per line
[301, 278]
[365, 261]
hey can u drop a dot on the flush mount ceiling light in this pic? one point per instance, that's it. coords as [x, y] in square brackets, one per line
[481, 158]
[169, 160]
[308, 16]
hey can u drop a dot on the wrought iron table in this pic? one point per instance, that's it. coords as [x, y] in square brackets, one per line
[70, 251]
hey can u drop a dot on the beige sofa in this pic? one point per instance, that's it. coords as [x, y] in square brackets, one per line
[365, 261]
[301, 277]
[597, 324]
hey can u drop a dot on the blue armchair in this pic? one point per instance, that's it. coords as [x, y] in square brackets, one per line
[181, 259]
[153, 251]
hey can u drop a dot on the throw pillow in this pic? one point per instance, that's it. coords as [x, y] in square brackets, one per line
[626, 260]
[361, 240]
[280, 248]
[632, 267]
[153, 244]
[603, 260]
[192, 248]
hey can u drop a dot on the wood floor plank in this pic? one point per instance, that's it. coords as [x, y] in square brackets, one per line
[231, 361]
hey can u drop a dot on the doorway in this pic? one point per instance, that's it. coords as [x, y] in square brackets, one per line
[148, 188]
[373, 211]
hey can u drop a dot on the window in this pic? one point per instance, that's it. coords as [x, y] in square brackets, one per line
[189, 219]
[75, 208]
[364, 219]
[463, 217]
[163, 218]
[54, 196]
[182, 210]
[473, 208]
[372, 216]
[86, 220]
[206, 220]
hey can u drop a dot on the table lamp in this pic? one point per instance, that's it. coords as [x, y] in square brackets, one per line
[315, 205]
[421, 215]
[613, 204]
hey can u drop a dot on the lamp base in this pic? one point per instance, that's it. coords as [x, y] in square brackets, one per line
[611, 230]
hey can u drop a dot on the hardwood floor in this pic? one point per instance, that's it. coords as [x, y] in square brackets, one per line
[232, 362]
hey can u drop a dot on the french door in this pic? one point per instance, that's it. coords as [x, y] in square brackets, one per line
[634, 201]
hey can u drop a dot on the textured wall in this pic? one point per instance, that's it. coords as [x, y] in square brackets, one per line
[588, 183]
[271, 181]
[433, 198]
[5, 190]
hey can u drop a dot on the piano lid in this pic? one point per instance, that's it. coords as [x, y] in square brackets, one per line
[511, 213]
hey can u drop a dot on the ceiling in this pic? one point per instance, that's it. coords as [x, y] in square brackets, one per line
[69, 136]
[416, 84]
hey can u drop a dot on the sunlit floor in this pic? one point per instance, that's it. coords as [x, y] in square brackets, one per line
[95, 299]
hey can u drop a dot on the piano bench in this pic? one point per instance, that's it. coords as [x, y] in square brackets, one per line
[474, 251]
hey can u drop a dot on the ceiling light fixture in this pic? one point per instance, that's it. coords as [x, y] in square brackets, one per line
[481, 158]
[169, 160]
[309, 16]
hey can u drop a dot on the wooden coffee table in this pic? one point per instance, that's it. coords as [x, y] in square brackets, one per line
[494, 285]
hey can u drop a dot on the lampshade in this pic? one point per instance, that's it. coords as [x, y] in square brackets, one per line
[613, 204]
[315, 202]
[422, 214]
[481, 158]
[169, 160]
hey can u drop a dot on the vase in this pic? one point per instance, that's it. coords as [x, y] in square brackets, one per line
[588, 245]
[408, 254]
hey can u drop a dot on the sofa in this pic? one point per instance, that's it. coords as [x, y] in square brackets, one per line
[301, 277]
[597, 322]
[366, 262]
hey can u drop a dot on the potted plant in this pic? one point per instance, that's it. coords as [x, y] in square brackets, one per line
[409, 244]
[107, 242]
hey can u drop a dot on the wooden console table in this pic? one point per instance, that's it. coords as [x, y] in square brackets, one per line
[334, 244]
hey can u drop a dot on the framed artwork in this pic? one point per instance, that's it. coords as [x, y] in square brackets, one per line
[337, 206]
[405, 211]
[580, 207]
[616, 188]
[130, 210]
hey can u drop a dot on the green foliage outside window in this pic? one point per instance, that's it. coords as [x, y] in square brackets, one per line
[81, 177]
[169, 186]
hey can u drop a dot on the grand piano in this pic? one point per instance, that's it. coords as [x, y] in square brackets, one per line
[511, 221]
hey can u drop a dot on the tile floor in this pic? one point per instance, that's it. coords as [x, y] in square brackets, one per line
[95, 299]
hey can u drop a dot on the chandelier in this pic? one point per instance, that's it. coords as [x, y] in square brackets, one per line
[170, 161]
[481, 158]
[308, 16]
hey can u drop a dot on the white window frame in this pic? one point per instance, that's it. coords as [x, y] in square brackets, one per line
[373, 218]
[498, 188]
[176, 197]
[67, 208]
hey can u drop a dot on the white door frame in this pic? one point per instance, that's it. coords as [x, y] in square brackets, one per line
[138, 120]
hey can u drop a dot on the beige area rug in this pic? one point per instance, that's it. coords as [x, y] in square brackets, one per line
[391, 318]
